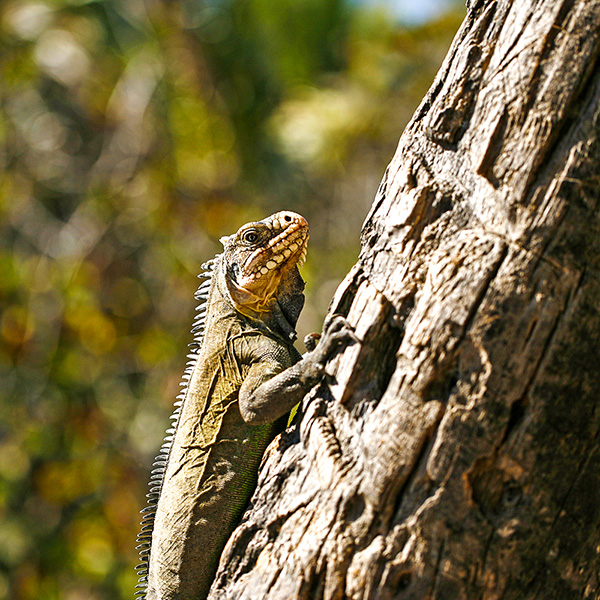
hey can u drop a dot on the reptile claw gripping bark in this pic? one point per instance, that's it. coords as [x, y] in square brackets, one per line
[242, 375]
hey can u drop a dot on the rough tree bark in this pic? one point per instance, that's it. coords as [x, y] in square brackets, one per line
[455, 452]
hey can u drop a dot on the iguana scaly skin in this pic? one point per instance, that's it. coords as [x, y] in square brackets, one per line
[244, 375]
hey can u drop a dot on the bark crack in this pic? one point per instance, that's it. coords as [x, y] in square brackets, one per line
[548, 45]
[507, 58]
[436, 570]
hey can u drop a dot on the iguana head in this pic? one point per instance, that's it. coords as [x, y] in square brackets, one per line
[261, 262]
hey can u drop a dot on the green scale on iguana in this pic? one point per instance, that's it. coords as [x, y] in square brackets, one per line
[243, 377]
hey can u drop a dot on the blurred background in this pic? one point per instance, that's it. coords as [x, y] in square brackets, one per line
[133, 134]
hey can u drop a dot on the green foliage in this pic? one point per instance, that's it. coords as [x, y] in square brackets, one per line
[132, 136]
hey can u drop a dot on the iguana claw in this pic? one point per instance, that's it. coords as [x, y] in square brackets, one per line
[337, 334]
[311, 340]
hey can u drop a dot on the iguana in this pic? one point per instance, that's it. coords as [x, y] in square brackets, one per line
[242, 376]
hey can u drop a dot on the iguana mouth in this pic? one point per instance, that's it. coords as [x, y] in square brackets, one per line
[286, 249]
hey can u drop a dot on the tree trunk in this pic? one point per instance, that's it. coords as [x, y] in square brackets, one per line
[454, 453]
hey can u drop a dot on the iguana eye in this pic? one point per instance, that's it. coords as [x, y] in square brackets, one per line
[250, 237]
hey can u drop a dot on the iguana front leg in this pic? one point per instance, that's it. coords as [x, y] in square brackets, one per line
[268, 393]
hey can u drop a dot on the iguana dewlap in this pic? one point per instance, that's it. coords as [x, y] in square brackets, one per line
[244, 376]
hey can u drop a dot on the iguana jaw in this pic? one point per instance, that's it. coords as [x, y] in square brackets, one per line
[258, 256]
